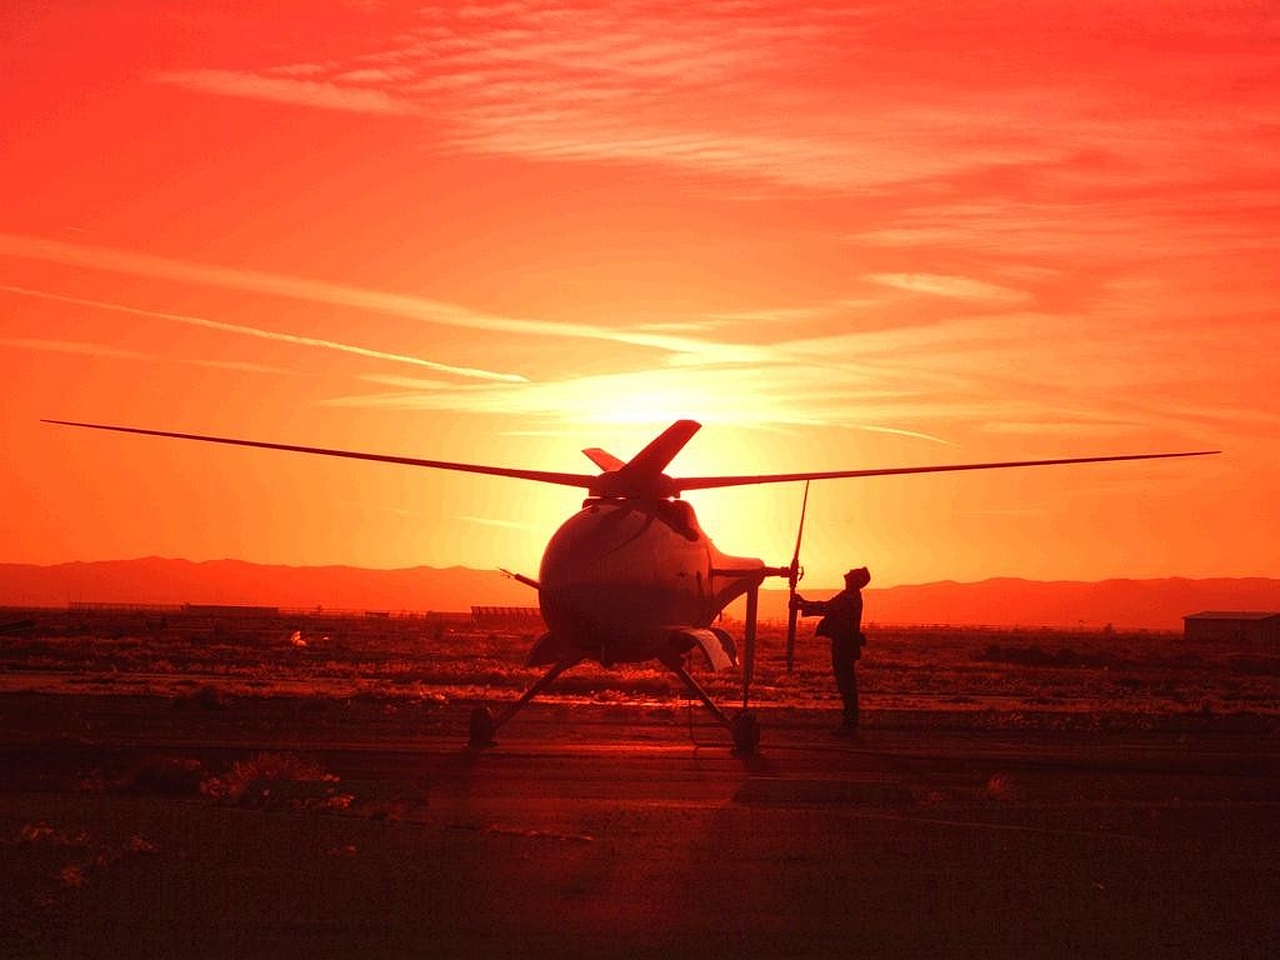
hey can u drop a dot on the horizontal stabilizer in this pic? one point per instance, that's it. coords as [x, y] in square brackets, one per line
[521, 578]
[603, 459]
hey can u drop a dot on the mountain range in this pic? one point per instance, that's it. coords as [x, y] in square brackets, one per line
[1123, 604]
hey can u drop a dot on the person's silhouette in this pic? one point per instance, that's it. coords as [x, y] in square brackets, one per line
[842, 623]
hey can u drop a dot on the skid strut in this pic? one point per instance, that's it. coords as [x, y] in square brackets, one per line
[483, 724]
[744, 728]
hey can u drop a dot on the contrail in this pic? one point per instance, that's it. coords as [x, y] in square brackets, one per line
[270, 335]
[898, 432]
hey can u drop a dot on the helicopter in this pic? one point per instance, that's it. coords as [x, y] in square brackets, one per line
[632, 577]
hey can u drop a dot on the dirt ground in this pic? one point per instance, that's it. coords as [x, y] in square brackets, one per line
[149, 826]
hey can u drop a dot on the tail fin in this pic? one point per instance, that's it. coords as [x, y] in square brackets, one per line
[642, 475]
[653, 459]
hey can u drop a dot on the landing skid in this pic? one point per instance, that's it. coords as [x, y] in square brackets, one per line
[744, 728]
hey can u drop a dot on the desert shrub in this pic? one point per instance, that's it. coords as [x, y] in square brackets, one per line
[168, 775]
[630, 682]
[207, 697]
[1035, 656]
[255, 778]
[1024, 656]
[1255, 666]
[1001, 786]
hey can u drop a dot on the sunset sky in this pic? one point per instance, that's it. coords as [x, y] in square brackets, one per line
[840, 235]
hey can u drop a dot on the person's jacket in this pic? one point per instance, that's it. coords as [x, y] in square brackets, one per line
[841, 616]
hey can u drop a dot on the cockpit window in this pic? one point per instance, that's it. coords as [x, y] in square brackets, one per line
[680, 517]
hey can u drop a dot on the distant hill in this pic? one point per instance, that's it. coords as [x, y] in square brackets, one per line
[1155, 604]
[1124, 604]
[161, 581]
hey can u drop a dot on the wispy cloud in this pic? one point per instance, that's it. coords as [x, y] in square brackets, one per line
[404, 305]
[406, 383]
[108, 352]
[286, 89]
[261, 334]
[505, 524]
[825, 96]
[911, 375]
[945, 382]
[916, 434]
[374, 75]
[300, 69]
[1179, 223]
[782, 392]
[80, 347]
[631, 83]
[962, 288]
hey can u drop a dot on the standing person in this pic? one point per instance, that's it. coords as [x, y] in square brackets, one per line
[842, 622]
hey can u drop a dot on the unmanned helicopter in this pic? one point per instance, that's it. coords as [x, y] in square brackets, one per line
[631, 577]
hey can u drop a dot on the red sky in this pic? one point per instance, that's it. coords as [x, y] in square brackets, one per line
[840, 235]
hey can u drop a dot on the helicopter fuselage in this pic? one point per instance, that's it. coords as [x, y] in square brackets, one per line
[621, 574]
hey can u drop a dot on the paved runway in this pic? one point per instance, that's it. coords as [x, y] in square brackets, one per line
[618, 839]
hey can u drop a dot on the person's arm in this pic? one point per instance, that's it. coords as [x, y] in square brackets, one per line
[810, 608]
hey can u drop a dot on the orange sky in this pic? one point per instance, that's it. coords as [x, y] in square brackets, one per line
[840, 235]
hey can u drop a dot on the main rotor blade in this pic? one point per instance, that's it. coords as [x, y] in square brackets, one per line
[707, 483]
[660, 451]
[564, 479]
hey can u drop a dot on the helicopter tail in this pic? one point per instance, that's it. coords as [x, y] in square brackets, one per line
[653, 459]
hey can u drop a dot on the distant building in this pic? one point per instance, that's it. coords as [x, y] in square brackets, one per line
[228, 610]
[521, 619]
[1255, 629]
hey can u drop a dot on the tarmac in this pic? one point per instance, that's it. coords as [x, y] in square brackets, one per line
[609, 832]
